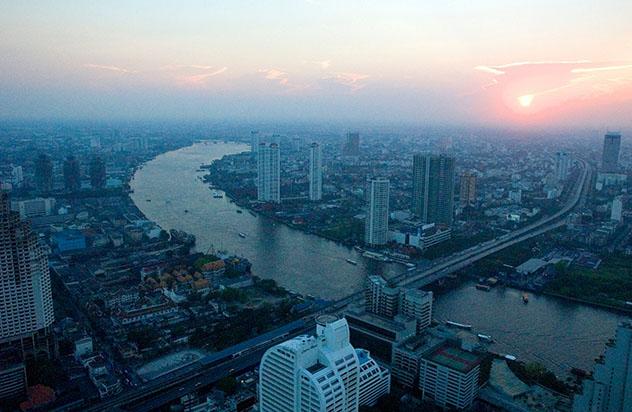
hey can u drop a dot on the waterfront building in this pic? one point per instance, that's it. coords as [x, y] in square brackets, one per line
[562, 166]
[97, 173]
[269, 173]
[609, 389]
[376, 222]
[616, 211]
[72, 174]
[315, 172]
[433, 188]
[449, 376]
[352, 144]
[417, 304]
[43, 174]
[318, 373]
[26, 303]
[467, 192]
[378, 334]
[419, 235]
[610, 154]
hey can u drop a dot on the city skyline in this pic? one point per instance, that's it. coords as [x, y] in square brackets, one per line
[319, 60]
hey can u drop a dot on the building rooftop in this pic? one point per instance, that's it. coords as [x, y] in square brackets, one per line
[454, 358]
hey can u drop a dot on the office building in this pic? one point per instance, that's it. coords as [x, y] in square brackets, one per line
[467, 192]
[374, 381]
[17, 176]
[43, 174]
[384, 300]
[316, 373]
[26, 303]
[433, 188]
[378, 334]
[610, 154]
[419, 235]
[562, 166]
[268, 173]
[609, 389]
[616, 211]
[97, 173]
[254, 141]
[72, 174]
[352, 144]
[449, 376]
[315, 172]
[376, 222]
[34, 207]
[407, 355]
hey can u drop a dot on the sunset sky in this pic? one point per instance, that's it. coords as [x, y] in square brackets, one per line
[451, 61]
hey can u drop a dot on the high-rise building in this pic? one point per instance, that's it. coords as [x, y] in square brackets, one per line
[352, 144]
[72, 174]
[467, 189]
[610, 154]
[43, 174]
[268, 173]
[376, 223]
[315, 172]
[97, 173]
[17, 176]
[562, 166]
[616, 211]
[384, 300]
[319, 373]
[610, 387]
[254, 141]
[433, 188]
[449, 376]
[26, 303]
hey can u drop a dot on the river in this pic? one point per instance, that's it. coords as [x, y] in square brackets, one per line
[556, 333]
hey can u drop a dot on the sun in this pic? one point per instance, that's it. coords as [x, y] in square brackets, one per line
[526, 100]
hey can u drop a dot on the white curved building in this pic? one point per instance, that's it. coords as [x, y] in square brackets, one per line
[319, 373]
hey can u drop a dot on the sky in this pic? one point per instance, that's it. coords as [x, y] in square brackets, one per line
[490, 62]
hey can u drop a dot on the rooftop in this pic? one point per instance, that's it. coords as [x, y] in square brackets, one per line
[454, 358]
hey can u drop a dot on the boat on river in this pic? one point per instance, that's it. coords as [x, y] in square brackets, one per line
[458, 325]
[353, 262]
[242, 235]
[486, 338]
[525, 298]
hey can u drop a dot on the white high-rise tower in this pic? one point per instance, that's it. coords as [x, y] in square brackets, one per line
[315, 172]
[376, 224]
[320, 373]
[268, 173]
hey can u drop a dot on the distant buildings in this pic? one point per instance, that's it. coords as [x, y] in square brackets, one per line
[268, 173]
[467, 192]
[97, 173]
[616, 212]
[433, 188]
[315, 172]
[320, 373]
[610, 387]
[72, 174]
[352, 144]
[376, 223]
[419, 235]
[562, 166]
[34, 207]
[610, 154]
[17, 176]
[43, 174]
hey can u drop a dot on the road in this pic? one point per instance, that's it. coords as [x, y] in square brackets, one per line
[155, 394]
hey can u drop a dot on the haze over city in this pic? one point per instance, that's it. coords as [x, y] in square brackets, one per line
[456, 62]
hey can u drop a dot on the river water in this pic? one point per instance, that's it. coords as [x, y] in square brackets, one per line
[556, 333]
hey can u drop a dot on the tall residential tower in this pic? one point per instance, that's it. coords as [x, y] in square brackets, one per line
[315, 172]
[433, 188]
[376, 222]
[610, 155]
[269, 173]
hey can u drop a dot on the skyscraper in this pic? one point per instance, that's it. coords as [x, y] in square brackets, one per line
[72, 174]
[26, 303]
[610, 387]
[467, 189]
[319, 373]
[352, 144]
[315, 172]
[433, 188]
[254, 141]
[610, 155]
[43, 174]
[97, 173]
[268, 173]
[562, 166]
[376, 222]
